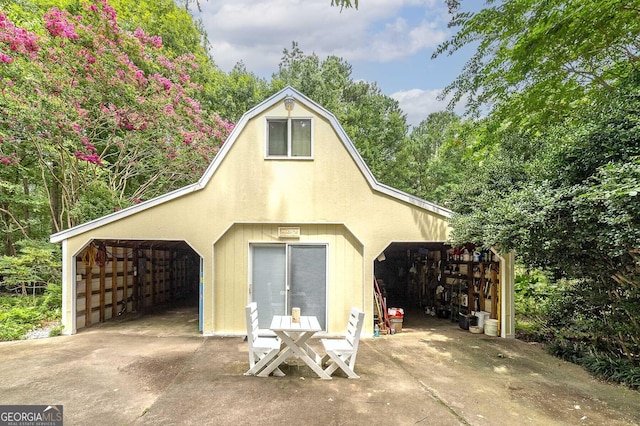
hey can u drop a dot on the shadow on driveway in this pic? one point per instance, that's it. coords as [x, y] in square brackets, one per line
[157, 369]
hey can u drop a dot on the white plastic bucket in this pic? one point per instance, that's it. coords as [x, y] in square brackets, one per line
[481, 317]
[491, 327]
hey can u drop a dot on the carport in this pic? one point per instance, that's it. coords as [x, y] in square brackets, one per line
[116, 277]
[437, 279]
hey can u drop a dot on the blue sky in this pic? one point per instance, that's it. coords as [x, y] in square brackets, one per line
[389, 42]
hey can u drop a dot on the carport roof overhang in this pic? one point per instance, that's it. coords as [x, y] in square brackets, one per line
[179, 245]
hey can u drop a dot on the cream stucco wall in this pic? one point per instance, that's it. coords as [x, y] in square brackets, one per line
[328, 196]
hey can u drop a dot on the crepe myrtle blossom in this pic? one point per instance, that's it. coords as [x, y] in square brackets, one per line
[58, 25]
[85, 65]
[155, 41]
[14, 40]
[9, 160]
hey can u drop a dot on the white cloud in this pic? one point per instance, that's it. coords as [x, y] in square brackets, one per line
[257, 31]
[386, 35]
[418, 104]
[399, 40]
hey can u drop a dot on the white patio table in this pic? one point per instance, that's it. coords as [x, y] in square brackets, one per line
[294, 337]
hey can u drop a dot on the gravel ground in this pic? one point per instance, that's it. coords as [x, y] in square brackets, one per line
[42, 332]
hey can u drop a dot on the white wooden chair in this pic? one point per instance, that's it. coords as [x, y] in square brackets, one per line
[261, 349]
[343, 351]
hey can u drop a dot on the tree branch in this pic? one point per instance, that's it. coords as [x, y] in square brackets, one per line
[8, 213]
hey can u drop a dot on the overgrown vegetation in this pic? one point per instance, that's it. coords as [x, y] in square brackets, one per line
[35, 265]
[542, 310]
[30, 289]
[533, 291]
[20, 314]
[559, 176]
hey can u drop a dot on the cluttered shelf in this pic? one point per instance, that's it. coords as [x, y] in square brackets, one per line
[468, 290]
[460, 284]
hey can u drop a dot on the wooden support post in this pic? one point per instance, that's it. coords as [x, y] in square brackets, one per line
[481, 286]
[125, 280]
[179, 274]
[114, 282]
[103, 274]
[153, 277]
[494, 294]
[87, 295]
[136, 281]
[161, 278]
[172, 275]
[471, 301]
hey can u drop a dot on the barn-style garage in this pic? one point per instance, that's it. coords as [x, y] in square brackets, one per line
[287, 214]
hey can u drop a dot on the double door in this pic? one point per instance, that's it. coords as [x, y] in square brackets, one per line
[289, 275]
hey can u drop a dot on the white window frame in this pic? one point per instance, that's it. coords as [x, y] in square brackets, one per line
[288, 156]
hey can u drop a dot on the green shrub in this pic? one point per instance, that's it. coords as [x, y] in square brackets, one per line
[52, 299]
[532, 298]
[601, 365]
[56, 331]
[36, 264]
[20, 314]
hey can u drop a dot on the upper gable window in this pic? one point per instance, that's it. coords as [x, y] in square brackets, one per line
[289, 138]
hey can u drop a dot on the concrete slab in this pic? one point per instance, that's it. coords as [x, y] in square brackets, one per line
[158, 370]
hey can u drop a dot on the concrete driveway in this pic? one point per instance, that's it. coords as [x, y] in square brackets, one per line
[158, 370]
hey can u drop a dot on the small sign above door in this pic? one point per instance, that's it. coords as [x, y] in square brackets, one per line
[288, 232]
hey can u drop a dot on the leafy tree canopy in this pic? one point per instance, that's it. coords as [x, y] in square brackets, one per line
[566, 200]
[93, 117]
[345, 3]
[537, 60]
[434, 156]
[373, 121]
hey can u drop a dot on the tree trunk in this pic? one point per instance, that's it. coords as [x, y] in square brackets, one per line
[25, 186]
[55, 203]
[9, 243]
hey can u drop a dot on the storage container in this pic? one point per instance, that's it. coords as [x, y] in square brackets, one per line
[491, 327]
[396, 323]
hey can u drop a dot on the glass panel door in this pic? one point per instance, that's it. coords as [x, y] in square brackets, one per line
[269, 281]
[284, 276]
[308, 277]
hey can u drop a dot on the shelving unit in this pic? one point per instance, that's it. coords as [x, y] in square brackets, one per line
[441, 280]
[470, 284]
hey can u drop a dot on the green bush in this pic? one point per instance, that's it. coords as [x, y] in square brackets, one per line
[533, 295]
[52, 299]
[20, 314]
[592, 334]
[32, 285]
[56, 331]
[36, 264]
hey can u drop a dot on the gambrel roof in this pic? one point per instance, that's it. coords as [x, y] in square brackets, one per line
[220, 157]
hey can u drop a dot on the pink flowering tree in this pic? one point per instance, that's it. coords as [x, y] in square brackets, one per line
[94, 118]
